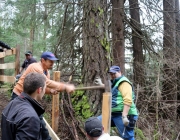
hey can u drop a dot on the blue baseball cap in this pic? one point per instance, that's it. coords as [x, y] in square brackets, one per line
[49, 56]
[114, 69]
[93, 127]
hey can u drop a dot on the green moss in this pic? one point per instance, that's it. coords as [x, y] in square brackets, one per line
[92, 20]
[100, 11]
[81, 105]
[105, 44]
[97, 25]
[139, 134]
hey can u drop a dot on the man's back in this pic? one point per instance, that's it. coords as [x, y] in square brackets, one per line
[20, 115]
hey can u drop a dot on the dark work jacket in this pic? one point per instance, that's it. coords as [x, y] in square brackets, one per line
[21, 119]
[26, 63]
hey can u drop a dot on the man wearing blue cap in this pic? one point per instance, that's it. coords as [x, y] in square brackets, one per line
[52, 87]
[124, 112]
[42, 67]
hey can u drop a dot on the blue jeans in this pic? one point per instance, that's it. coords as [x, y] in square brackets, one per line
[127, 132]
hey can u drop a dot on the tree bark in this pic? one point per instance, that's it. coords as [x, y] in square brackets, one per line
[169, 91]
[95, 49]
[178, 49]
[169, 50]
[138, 63]
[33, 23]
[118, 48]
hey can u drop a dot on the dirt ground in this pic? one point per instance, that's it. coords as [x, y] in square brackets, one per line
[4, 100]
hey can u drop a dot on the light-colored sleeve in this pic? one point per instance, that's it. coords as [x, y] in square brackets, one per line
[36, 67]
[126, 89]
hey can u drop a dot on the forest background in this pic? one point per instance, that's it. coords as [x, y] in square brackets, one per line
[88, 36]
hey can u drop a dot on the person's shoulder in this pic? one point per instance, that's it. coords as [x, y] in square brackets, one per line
[19, 109]
[34, 67]
[26, 110]
[33, 59]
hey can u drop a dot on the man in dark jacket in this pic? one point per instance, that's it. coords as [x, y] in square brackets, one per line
[21, 118]
[29, 60]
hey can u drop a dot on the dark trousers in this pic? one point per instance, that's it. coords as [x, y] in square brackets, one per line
[44, 131]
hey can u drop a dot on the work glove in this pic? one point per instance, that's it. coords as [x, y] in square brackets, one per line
[125, 120]
[98, 81]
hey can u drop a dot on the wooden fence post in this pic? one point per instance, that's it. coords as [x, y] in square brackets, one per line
[55, 104]
[2, 70]
[17, 62]
[106, 111]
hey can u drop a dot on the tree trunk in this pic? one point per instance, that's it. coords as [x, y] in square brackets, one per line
[169, 51]
[178, 49]
[118, 48]
[95, 49]
[33, 23]
[138, 63]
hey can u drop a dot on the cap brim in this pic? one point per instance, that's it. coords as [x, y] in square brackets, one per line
[27, 53]
[111, 71]
[53, 59]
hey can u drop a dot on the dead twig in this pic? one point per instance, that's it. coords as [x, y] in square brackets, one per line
[63, 114]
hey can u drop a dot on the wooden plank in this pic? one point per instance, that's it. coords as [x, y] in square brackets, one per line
[106, 111]
[9, 79]
[7, 53]
[55, 104]
[7, 66]
[51, 132]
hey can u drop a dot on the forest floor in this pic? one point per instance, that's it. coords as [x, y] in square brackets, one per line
[4, 100]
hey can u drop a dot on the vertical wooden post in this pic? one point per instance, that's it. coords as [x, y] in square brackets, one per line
[16, 51]
[1, 70]
[106, 111]
[55, 104]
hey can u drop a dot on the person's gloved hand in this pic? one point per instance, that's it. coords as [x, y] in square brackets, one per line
[98, 81]
[125, 120]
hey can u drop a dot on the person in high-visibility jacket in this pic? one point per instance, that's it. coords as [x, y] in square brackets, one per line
[124, 113]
